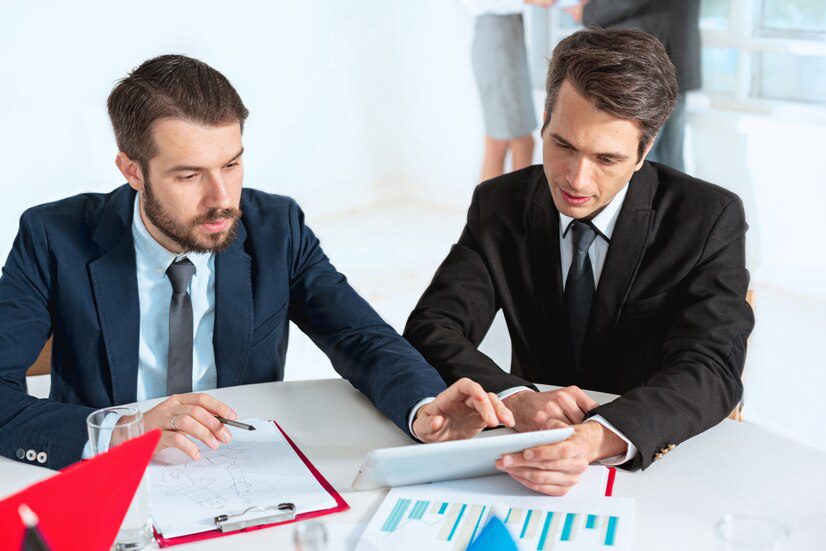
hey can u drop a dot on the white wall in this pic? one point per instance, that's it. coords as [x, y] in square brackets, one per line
[322, 82]
[357, 102]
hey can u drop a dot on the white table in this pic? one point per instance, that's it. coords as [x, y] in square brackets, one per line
[732, 468]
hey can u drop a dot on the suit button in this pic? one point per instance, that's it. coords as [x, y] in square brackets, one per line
[31, 455]
[662, 451]
[41, 457]
[20, 453]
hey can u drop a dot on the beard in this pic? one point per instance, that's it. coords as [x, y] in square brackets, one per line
[184, 234]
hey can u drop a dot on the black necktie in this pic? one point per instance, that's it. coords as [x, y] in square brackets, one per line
[179, 367]
[579, 287]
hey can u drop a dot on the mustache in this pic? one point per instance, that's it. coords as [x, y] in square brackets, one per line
[216, 215]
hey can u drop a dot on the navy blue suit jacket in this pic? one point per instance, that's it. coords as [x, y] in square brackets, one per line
[71, 274]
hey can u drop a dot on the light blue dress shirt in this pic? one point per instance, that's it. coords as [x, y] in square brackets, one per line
[154, 296]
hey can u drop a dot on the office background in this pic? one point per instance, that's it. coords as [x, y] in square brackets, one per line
[366, 112]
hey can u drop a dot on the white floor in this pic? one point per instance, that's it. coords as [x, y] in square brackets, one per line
[390, 251]
[389, 254]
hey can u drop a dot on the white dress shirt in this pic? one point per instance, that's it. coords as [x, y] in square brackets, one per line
[605, 222]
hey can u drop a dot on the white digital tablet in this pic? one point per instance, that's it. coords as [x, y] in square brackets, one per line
[446, 460]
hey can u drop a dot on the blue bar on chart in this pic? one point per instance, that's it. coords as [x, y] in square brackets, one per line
[611, 533]
[591, 522]
[569, 530]
[545, 529]
[396, 515]
[456, 524]
[443, 509]
[525, 526]
[418, 510]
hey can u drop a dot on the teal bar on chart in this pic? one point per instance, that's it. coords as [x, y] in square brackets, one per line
[569, 525]
[443, 508]
[591, 522]
[544, 536]
[396, 515]
[525, 526]
[456, 524]
[611, 533]
[419, 510]
[478, 521]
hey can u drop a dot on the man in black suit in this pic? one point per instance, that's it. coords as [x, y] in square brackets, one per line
[614, 274]
[676, 23]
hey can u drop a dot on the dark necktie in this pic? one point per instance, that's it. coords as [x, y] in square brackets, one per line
[179, 366]
[579, 287]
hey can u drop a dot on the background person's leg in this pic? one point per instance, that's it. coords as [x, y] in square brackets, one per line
[493, 162]
[522, 152]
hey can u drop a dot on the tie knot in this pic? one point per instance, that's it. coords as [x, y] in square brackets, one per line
[180, 275]
[583, 235]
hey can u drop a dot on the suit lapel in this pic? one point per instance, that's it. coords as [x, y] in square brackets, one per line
[621, 263]
[233, 311]
[114, 283]
[543, 221]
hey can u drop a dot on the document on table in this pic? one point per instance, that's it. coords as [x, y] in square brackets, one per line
[257, 468]
[449, 515]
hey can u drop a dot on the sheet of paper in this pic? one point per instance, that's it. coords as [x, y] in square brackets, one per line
[449, 515]
[256, 468]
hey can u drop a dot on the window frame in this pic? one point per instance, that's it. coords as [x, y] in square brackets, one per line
[743, 33]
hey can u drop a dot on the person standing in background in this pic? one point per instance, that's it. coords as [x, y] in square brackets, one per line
[500, 65]
[676, 24]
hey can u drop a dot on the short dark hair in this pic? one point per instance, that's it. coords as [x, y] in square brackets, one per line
[169, 86]
[626, 73]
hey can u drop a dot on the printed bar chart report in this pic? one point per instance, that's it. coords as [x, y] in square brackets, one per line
[451, 515]
[459, 523]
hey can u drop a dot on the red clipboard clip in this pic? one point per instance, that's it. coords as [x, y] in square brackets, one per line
[341, 505]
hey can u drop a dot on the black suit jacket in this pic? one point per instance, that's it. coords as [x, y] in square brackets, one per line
[676, 23]
[669, 320]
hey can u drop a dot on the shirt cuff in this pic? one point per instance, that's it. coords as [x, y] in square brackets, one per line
[104, 436]
[511, 391]
[412, 416]
[617, 459]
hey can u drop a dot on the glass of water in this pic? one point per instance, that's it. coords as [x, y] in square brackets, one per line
[110, 427]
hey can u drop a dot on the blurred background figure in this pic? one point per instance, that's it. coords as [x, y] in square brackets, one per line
[676, 23]
[500, 66]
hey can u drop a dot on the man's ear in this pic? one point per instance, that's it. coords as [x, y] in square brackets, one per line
[644, 155]
[131, 170]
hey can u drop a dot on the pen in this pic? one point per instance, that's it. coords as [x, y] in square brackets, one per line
[32, 538]
[235, 424]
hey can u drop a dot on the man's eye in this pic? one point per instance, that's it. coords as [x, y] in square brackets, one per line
[563, 146]
[186, 178]
[232, 165]
[607, 161]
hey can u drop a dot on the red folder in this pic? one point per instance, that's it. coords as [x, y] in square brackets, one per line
[341, 505]
[82, 507]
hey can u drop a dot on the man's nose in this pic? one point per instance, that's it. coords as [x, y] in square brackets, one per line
[218, 196]
[579, 174]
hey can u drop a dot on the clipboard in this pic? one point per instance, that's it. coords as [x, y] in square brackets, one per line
[341, 505]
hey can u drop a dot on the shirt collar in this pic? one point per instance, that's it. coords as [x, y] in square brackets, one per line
[158, 255]
[604, 222]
